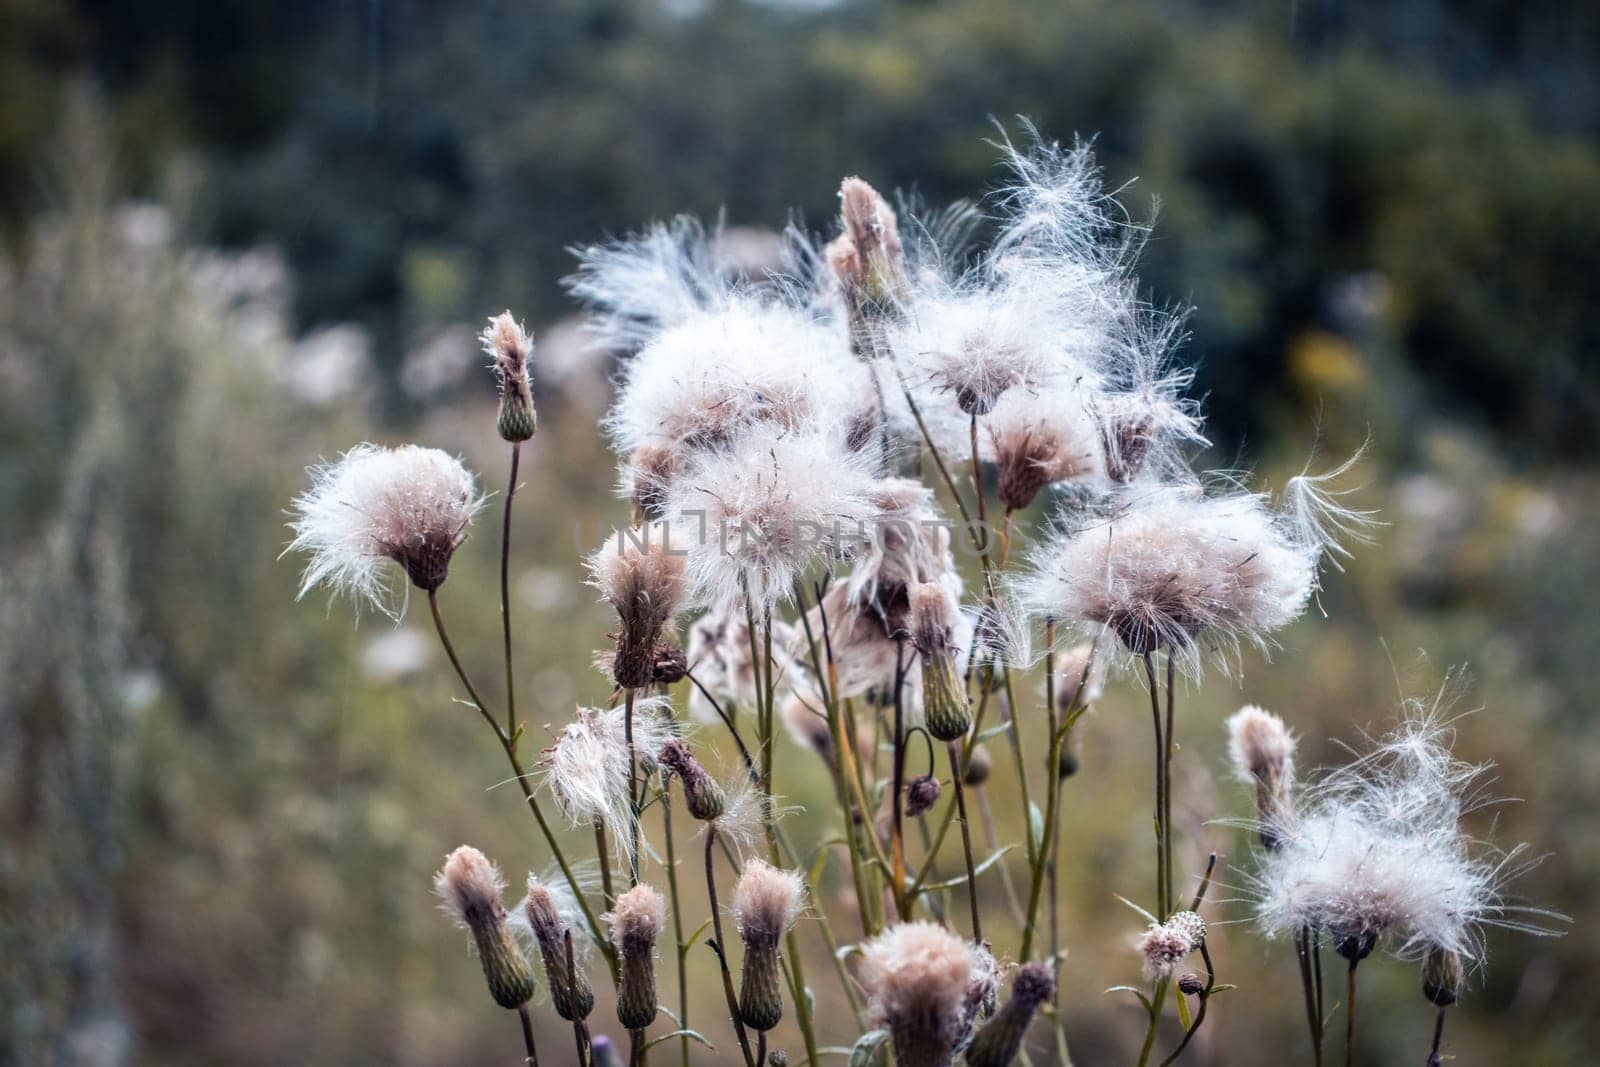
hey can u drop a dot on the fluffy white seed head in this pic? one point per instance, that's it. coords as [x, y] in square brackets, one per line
[1377, 856]
[707, 379]
[636, 921]
[409, 506]
[1163, 946]
[589, 766]
[1174, 568]
[766, 902]
[756, 515]
[920, 981]
[469, 887]
[648, 282]
[641, 574]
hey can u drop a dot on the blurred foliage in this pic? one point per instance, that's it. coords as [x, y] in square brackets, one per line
[418, 162]
[220, 807]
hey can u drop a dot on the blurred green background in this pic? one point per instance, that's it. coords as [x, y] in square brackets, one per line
[239, 237]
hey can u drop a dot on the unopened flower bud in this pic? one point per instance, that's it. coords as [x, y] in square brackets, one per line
[943, 700]
[1262, 750]
[1191, 984]
[1067, 761]
[1441, 976]
[470, 886]
[997, 1044]
[702, 795]
[636, 921]
[922, 793]
[511, 351]
[570, 992]
[765, 904]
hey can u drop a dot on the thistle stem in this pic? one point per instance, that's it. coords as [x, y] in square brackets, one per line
[897, 842]
[1434, 1058]
[1161, 807]
[954, 752]
[1350, 1015]
[521, 777]
[716, 945]
[527, 1035]
[635, 798]
[1302, 944]
[603, 853]
[505, 592]
[677, 916]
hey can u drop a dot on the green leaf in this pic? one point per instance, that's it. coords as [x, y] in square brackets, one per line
[961, 879]
[992, 732]
[695, 935]
[1035, 826]
[693, 1035]
[1148, 1007]
[867, 1048]
[1136, 908]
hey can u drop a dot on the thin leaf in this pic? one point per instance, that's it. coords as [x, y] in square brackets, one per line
[961, 879]
[867, 1047]
[1136, 908]
[1035, 827]
[693, 1035]
[695, 936]
[1148, 1007]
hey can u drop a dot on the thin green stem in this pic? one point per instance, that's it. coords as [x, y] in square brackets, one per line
[1161, 806]
[505, 593]
[717, 946]
[1302, 944]
[1350, 1015]
[956, 770]
[635, 790]
[527, 1035]
[677, 916]
[1434, 1057]
[603, 854]
[523, 782]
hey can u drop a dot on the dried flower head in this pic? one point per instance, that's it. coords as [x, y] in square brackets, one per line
[808, 726]
[758, 514]
[510, 351]
[702, 795]
[998, 1042]
[590, 765]
[919, 979]
[766, 903]
[1042, 438]
[1165, 945]
[1172, 568]
[470, 887]
[974, 348]
[646, 477]
[642, 576]
[547, 909]
[408, 505]
[1376, 855]
[708, 379]
[637, 919]
[1262, 750]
